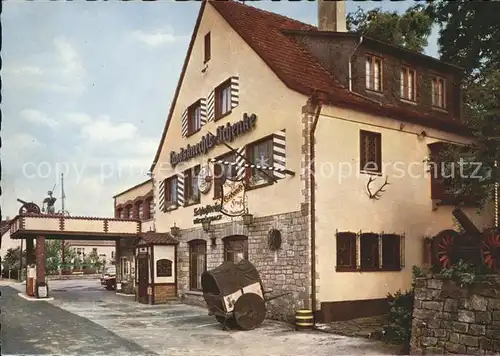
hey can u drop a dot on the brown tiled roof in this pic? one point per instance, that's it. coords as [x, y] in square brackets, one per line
[156, 238]
[265, 33]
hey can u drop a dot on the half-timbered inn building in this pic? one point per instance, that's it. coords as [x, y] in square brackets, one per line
[262, 102]
[302, 149]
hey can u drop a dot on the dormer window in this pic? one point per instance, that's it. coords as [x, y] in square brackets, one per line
[207, 48]
[223, 99]
[407, 77]
[194, 118]
[438, 93]
[373, 67]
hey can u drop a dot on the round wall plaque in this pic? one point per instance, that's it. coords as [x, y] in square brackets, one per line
[274, 239]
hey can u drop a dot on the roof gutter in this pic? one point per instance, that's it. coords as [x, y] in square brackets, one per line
[312, 203]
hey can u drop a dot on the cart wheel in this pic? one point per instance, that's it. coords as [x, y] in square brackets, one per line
[443, 249]
[249, 311]
[491, 251]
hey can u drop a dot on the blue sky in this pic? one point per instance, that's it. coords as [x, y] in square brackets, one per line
[87, 88]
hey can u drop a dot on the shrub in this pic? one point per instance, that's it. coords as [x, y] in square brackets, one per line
[398, 330]
[464, 273]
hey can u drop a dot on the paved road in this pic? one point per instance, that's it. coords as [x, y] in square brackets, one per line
[174, 329]
[42, 328]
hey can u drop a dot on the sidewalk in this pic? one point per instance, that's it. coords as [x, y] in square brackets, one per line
[370, 328]
[9, 282]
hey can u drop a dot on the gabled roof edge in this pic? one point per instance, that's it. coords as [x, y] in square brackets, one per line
[179, 83]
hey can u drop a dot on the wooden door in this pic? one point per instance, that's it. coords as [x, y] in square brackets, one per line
[143, 278]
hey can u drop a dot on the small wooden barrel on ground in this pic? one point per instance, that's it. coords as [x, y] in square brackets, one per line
[304, 319]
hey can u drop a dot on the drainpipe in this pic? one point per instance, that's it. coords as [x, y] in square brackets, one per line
[312, 203]
[496, 195]
[350, 61]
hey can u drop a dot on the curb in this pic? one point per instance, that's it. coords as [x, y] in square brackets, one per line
[31, 299]
[125, 295]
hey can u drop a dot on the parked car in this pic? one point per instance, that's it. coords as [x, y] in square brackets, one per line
[108, 278]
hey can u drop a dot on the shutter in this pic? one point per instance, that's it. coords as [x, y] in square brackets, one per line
[279, 153]
[203, 111]
[184, 123]
[235, 92]
[161, 195]
[438, 188]
[240, 168]
[180, 189]
[211, 106]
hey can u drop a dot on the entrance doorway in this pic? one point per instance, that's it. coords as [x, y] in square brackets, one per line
[143, 278]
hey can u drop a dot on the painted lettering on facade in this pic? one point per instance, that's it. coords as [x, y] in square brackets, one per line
[206, 210]
[225, 133]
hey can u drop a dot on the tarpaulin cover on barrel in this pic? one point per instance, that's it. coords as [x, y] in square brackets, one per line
[229, 277]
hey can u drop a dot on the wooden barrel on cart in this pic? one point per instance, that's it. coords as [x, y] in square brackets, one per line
[304, 319]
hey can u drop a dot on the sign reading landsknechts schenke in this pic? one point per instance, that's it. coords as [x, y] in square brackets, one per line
[224, 133]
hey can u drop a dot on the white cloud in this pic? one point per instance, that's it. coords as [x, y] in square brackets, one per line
[154, 38]
[22, 70]
[22, 141]
[104, 130]
[36, 117]
[67, 75]
[78, 118]
[68, 56]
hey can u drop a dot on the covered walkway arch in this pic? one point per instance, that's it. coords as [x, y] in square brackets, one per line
[39, 227]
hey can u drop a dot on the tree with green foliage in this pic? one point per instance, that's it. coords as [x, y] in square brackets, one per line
[12, 259]
[409, 30]
[469, 36]
[53, 256]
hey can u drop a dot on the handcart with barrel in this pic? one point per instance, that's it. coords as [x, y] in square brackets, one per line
[235, 295]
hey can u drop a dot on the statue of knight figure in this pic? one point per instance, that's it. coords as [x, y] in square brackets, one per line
[50, 201]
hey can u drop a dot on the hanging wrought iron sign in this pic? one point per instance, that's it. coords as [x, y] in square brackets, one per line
[233, 202]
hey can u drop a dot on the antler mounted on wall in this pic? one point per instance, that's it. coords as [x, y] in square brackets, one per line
[379, 191]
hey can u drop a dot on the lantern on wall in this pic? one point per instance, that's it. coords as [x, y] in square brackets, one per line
[206, 225]
[247, 219]
[174, 230]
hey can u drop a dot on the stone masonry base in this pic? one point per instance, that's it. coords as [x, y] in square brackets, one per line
[286, 270]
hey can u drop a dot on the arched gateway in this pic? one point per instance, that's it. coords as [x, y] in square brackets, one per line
[31, 225]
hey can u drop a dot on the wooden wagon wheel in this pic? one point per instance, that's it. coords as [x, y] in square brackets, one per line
[249, 311]
[490, 250]
[29, 208]
[443, 248]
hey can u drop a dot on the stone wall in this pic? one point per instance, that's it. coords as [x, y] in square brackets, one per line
[286, 270]
[448, 318]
